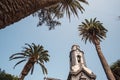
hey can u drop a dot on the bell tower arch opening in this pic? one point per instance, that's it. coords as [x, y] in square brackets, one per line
[78, 58]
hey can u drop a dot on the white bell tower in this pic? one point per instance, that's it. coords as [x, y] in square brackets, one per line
[78, 69]
[76, 58]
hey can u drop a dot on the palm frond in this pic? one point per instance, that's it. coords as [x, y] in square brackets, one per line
[80, 8]
[87, 22]
[17, 54]
[71, 7]
[40, 49]
[44, 69]
[84, 1]
[17, 57]
[32, 69]
[94, 20]
[30, 48]
[34, 47]
[19, 63]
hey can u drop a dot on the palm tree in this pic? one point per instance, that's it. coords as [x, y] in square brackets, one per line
[14, 10]
[115, 67]
[34, 54]
[94, 31]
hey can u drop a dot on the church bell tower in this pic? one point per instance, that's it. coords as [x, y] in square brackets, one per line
[78, 68]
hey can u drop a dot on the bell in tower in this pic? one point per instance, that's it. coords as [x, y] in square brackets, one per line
[78, 68]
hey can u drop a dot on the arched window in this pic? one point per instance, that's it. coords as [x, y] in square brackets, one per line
[79, 58]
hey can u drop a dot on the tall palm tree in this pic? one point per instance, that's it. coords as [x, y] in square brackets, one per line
[32, 54]
[94, 32]
[115, 67]
[14, 10]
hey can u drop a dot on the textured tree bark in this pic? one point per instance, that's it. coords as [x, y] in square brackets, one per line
[27, 68]
[104, 62]
[12, 11]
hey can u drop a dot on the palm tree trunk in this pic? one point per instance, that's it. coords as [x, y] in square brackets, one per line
[27, 68]
[104, 62]
[14, 10]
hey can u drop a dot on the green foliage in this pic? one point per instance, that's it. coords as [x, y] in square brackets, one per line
[46, 17]
[32, 54]
[115, 67]
[6, 76]
[92, 30]
[50, 15]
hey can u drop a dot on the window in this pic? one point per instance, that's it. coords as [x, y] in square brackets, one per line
[78, 58]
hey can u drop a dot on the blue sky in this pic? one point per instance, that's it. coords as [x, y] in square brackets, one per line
[59, 41]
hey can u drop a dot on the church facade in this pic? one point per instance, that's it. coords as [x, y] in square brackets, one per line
[78, 68]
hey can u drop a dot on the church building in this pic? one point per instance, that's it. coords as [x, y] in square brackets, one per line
[78, 68]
